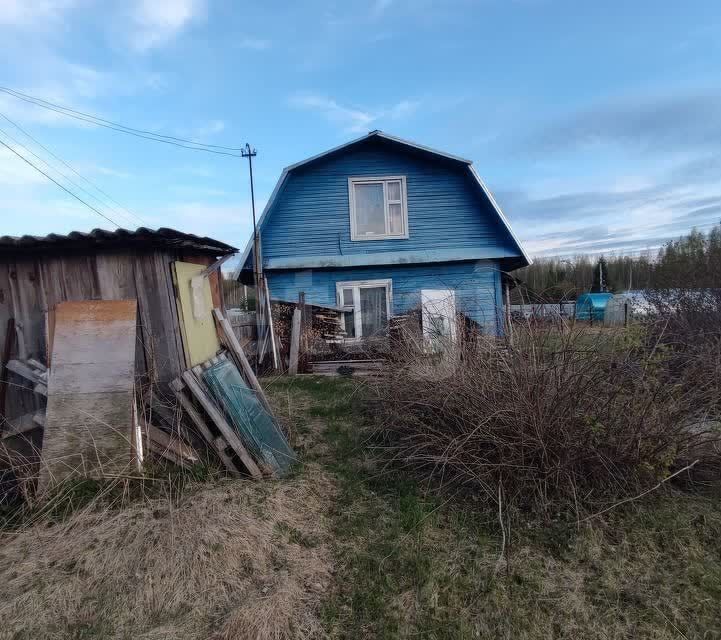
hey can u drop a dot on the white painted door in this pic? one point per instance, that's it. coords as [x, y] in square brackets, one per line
[439, 317]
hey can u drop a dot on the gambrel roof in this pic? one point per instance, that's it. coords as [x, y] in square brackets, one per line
[407, 145]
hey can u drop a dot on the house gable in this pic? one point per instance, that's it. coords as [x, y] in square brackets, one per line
[451, 216]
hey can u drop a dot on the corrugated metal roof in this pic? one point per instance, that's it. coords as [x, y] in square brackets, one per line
[119, 239]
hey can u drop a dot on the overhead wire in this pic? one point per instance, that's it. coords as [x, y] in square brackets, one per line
[109, 124]
[119, 208]
[64, 188]
[67, 178]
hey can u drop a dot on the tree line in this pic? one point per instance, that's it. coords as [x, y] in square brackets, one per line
[691, 261]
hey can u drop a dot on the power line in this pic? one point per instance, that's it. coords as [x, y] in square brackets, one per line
[20, 94]
[49, 166]
[42, 102]
[138, 133]
[39, 170]
[93, 185]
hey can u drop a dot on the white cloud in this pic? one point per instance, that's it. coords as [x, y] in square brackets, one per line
[256, 44]
[27, 210]
[14, 172]
[32, 13]
[102, 170]
[157, 22]
[209, 128]
[231, 223]
[73, 86]
[379, 7]
[351, 119]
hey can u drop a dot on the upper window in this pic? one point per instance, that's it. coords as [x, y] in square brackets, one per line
[378, 208]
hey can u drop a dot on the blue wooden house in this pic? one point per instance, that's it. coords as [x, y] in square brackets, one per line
[380, 226]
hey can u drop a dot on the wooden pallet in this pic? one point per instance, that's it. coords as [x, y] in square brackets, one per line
[215, 430]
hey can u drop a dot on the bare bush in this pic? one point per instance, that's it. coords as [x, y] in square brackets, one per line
[565, 420]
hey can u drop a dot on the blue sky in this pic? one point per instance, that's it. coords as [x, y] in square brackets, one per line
[597, 125]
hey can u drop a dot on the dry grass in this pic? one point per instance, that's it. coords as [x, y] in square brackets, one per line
[348, 549]
[238, 560]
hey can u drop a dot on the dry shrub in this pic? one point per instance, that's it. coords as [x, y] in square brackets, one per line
[236, 560]
[567, 419]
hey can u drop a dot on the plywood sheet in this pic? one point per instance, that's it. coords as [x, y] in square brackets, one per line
[200, 339]
[89, 421]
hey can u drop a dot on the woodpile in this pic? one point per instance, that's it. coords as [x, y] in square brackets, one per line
[329, 324]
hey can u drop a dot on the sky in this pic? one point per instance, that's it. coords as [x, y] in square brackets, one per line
[597, 125]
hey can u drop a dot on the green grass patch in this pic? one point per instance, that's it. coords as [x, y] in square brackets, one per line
[412, 564]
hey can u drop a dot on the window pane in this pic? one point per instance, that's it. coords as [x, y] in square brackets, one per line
[395, 212]
[374, 313]
[347, 298]
[369, 210]
[349, 324]
[394, 191]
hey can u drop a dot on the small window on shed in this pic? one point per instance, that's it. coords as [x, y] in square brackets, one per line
[378, 208]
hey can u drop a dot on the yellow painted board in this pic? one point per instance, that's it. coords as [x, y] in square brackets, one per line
[195, 313]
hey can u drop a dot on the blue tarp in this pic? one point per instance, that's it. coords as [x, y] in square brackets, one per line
[257, 428]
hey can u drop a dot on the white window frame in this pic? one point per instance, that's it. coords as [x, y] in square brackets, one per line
[384, 180]
[356, 286]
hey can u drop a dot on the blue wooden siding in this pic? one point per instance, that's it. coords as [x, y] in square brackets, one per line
[447, 213]
[477, 285]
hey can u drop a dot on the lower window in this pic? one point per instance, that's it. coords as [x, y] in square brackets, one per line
[367, 305]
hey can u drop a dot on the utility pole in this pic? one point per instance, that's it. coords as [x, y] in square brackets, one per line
[262, 296]
[257, 268]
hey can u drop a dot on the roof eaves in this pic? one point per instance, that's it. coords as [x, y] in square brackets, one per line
[99, 238]
[500, 213]
[378, 134]
[261, 220]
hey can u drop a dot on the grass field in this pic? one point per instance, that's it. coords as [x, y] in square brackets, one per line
[347, 549]
[410, 564]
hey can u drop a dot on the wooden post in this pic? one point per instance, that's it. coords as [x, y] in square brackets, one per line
[625, 313]
[509, 325]
[294, 342]
[7, 352]
[273, 342]
[305, 322]
[231, 341]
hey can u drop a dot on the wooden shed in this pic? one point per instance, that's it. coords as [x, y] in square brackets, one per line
[36, 273]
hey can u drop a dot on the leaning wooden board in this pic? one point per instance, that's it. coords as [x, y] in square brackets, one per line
[89, 427]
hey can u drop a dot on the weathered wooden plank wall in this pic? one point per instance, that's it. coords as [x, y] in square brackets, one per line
[31, 285]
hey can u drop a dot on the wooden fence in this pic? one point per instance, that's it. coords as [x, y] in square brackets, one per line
[243, 323]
